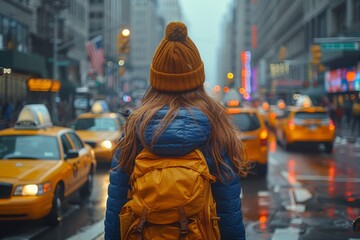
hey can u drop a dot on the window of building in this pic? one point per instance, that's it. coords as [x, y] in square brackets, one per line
[356, 11]
[340, 18]
[322, 25]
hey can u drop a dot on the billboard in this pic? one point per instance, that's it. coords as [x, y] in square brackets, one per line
[342, 80]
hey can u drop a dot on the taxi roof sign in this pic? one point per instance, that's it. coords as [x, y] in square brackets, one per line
[304, 101]
[33, 116]
[100, 106]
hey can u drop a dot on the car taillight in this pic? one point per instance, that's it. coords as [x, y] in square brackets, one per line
[263, 137]
[291, 124]
[331, 125]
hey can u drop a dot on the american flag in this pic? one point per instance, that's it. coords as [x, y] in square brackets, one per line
[95, 51]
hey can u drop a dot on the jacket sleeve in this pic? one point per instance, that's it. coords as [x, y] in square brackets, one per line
[228, 206]
[117, 197]
[228, 202]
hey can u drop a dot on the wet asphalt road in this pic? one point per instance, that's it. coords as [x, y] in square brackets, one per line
[307, 195]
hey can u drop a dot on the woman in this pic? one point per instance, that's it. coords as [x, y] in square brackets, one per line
[177, 116]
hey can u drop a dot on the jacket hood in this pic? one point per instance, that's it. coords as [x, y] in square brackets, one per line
[189, 130]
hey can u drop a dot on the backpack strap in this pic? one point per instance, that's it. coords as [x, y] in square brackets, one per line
[183, 223]
[208, 175]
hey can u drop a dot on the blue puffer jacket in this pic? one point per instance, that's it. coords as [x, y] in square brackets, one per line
[182, 136]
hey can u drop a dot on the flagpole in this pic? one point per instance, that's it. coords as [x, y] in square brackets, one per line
[55, 68]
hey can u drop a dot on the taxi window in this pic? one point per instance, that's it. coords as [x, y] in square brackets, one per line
[280, 114]
[95, 124]
[76, 140]
[29, 147]
[246, 121]
[311, 115]
[66, 143]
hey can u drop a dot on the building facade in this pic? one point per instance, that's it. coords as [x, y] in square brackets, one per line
[287, 30]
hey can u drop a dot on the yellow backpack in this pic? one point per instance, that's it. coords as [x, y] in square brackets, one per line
[171, 198]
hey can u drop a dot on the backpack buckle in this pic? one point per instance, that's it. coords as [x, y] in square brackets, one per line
[184, 226]
[183, 222]
[140, 226]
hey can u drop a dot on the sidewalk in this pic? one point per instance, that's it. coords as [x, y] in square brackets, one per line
[100, 237]
[346, 133]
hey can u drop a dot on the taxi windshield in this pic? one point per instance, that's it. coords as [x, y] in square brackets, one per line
[95, 124]
[246, 121]
[29, 147]
[311, 115]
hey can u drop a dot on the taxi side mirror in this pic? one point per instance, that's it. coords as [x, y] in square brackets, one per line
[356, 225]
[72, 154]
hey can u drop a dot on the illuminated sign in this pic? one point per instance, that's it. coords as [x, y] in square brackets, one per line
[246, 71]
[43, 85]
[342, 80]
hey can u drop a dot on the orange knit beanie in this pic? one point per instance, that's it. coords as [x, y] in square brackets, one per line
[176, 65]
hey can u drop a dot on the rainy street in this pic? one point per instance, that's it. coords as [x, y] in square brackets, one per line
[186, 92]
[307, 194]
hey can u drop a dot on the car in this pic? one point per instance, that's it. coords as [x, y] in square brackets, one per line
[100, 129]
[41, 165]
[254, 135]
[276, 113]
[306, 125]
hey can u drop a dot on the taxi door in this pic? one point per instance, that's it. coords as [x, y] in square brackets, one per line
[70, 171]
[83, 162]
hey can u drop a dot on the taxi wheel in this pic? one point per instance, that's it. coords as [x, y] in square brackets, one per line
[55, 216]
[86, 189]
[328, 147]
[285, 144]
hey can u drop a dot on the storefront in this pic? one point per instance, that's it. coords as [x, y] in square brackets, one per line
[13, 87]
[27, 82]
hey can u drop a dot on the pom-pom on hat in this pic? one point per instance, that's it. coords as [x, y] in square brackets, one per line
[176, 65]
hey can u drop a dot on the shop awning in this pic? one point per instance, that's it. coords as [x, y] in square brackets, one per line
[23, 62]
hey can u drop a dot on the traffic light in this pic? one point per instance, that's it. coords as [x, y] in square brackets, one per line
[316, 54]
[123, 41]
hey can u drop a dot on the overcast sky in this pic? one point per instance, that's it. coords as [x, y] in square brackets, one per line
[204, 19]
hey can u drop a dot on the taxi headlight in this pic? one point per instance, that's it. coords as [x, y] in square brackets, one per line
[32, 189]
[106, 144]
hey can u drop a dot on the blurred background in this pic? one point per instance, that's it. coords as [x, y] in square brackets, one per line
[265, 54]
[64, 53]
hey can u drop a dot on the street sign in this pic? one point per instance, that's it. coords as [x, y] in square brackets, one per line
[340, 46]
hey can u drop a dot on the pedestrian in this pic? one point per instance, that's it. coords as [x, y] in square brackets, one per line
[356, 118]
[176, 116]
[7, 113]
[339, 112]
[348, 113]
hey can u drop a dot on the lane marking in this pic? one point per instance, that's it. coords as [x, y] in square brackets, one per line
[89, 232]
[290, 179]
[263, 194]
[272, 161]
[27, 235]
[286, 234]
[293, 206]
[302, 194]
[327, 178]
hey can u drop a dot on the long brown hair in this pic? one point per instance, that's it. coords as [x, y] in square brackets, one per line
[223, 134]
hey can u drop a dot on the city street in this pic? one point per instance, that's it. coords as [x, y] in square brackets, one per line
[306, 195]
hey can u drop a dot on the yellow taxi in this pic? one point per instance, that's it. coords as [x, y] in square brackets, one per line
[305, 123]
[40, 166]
[100, 129]
[276, 114]
[254, 134]
[264, 111]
